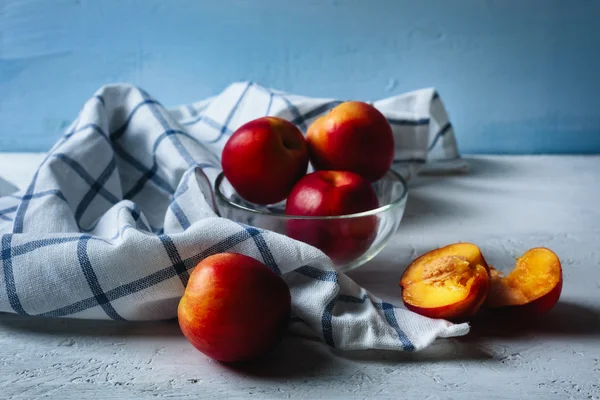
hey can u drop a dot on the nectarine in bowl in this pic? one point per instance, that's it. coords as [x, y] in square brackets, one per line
[350, 239]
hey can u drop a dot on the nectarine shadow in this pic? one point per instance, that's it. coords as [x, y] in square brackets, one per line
[566, 319]
[293, 358]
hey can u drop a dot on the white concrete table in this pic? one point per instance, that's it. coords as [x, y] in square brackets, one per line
[505, 204]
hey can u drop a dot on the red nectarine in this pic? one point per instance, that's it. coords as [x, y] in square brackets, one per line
[264, 158]
[354, 136]
[333, 193]
[234, 308]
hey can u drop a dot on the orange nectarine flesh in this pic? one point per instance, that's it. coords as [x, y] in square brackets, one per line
[537, 274]
[450, 282]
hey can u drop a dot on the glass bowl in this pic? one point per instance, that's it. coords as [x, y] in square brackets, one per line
[349, 240]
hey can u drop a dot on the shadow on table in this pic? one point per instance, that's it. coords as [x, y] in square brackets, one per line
[478, 167]
[566, 319]
[294, 357]
[79, 327]
[301, 358]
[440, 351]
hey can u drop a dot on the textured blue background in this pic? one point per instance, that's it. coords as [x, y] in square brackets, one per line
[517, 76]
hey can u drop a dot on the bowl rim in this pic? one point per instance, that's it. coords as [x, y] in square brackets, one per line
[392, 204]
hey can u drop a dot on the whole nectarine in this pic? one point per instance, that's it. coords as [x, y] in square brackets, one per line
[264, 158]
[333, 193]
[234, 308]
[354, 136]
[450, 282]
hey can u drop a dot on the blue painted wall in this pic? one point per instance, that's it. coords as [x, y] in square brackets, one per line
[517, 76]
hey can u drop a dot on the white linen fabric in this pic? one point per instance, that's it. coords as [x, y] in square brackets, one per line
[120, 211]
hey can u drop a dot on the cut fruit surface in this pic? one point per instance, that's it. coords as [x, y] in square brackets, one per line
[535, 282]
[450, 282]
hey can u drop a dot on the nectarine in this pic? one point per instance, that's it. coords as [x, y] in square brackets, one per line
[264, 158]
[333, 193]
[532, 288]
[354, 136]
[234, 308]
[450, 282]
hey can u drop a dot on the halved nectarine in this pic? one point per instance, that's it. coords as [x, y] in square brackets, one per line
[450, 282]
[532, 288]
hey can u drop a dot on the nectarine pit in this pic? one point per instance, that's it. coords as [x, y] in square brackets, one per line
[447, 271]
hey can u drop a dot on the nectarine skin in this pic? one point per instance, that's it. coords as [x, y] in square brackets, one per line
[354, 136]
[331, 193]
[234, 308]
[264, 158]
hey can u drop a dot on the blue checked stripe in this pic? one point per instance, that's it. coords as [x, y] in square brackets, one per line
[388, 311]
[51, 192]
[151, 174]
[408, 122]
[116, 135]
[225, 127]
[100, 99]
[264, 250]
[92, 279]
[7, 211]
[96, 185]
[157, 180]
[327, 317]
[179, 214]
[95, 188]
[192, 111]
[438, 135]
[390, 316]
[410, 160]
[183, 152]
[118, 149]
[38, 244]
[344, 298]
[20, 215]
[174, 205]
[295, 113]
[315, 112]
[152, 279]
[327, 322]
[270, 104]
[208, 121]
[315, 273]
[87, 127]
[9, 278]
[175, 257]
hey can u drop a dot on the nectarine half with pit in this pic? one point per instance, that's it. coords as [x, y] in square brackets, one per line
[234, 308]
[532, 288]
[450, 282]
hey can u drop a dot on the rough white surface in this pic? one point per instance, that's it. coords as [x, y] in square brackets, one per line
[505, 204]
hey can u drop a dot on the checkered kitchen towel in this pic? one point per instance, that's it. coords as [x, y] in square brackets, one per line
[120, 211]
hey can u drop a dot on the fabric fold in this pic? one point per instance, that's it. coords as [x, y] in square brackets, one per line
[121, 210]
